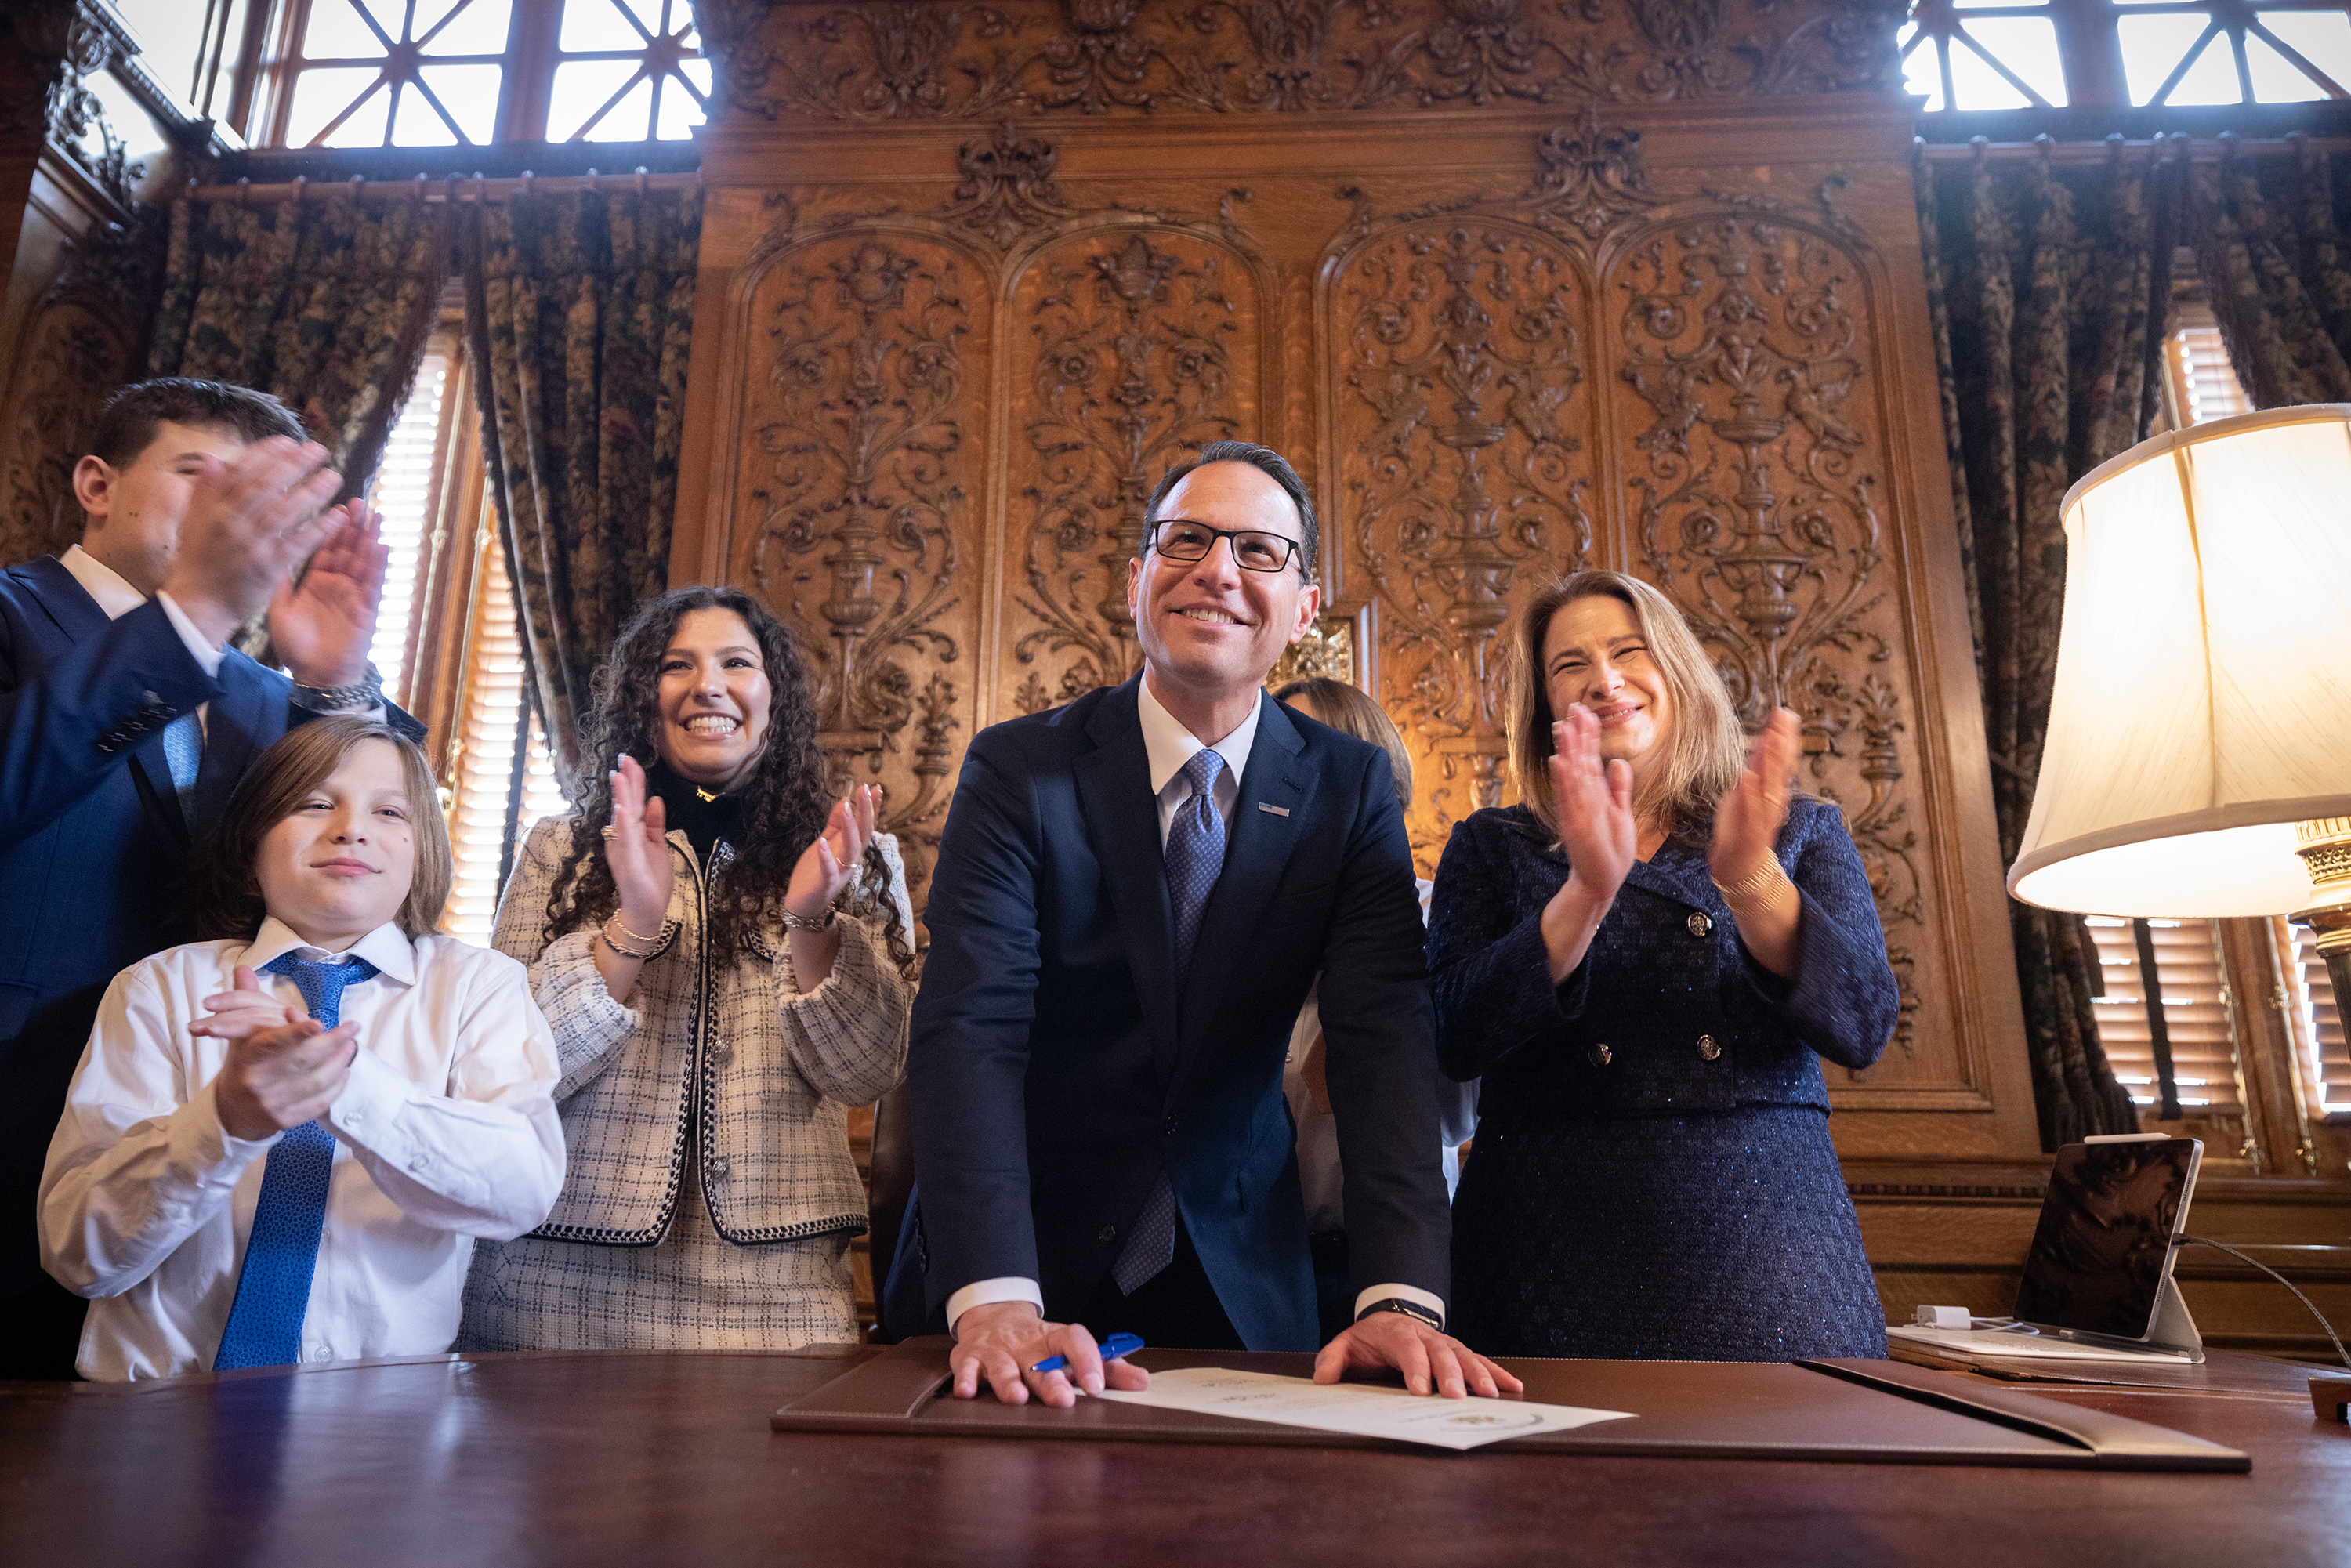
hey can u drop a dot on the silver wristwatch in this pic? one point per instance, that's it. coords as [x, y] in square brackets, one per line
[364, 692]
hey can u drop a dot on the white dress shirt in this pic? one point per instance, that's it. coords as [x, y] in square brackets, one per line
[118, 599]
[1167, 747]
[446, 1130]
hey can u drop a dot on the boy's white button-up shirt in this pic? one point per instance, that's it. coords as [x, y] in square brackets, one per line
[446, 1130]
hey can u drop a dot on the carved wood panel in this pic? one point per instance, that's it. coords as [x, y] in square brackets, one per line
[898, 61]
[864, 456]
[1753, 495]
[1132, 346]
[1604, 324]
[1464, 437]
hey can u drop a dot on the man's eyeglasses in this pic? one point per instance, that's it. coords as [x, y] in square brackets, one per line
[1181, 539]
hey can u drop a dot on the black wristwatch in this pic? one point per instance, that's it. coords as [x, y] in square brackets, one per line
[1413, 1310]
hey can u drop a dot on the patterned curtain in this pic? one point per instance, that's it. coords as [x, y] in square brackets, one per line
[579, 306]
[2050, 291]
[325, 301]
[2278, 270]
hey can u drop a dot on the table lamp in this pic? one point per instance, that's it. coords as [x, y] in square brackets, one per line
[2198, 754]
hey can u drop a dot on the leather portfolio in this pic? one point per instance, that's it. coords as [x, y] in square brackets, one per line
[1862, 1412]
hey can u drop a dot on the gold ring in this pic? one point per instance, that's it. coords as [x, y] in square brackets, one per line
[606, 831]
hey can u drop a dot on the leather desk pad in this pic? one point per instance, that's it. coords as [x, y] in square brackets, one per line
[1866, 1412]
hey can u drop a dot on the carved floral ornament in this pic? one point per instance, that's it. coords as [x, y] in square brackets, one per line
[1758, 513]
[862, 420]
[1459, 386]
[1139, 357]
[912, 59]
[1472, 346]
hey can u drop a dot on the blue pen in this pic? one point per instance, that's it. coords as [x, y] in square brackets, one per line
[1118, 1345]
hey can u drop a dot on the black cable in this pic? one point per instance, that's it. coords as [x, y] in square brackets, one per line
[2281, 1279]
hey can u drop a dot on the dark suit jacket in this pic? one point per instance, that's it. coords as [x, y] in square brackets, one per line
[93, 844]
[1055, 1069]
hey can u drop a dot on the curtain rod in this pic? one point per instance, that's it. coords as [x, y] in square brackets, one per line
[445, 187]
[481, 188]
[2179, 145]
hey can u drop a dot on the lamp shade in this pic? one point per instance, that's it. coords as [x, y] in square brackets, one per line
[2203, 696]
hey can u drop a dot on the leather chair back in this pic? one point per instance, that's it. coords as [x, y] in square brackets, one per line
[892, 1184]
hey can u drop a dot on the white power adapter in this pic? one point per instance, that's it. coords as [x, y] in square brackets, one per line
[1944, 1318]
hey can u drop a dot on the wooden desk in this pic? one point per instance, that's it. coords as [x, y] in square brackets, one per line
[654, 1459]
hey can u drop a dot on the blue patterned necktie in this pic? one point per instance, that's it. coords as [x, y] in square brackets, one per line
[272, 1291]
[1195, 858]
[183, 751]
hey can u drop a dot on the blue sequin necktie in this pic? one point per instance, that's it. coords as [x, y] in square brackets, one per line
[1195, 858]
[273, 1291]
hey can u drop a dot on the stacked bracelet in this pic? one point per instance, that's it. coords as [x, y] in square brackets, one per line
[1756, 882]
[651, 944]
[1763, 887]
[799, 923]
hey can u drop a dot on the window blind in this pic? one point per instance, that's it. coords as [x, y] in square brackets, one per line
[2317, 1024]
[490, 713]
[2207, 383]
[2193, 1002]
[402, 492]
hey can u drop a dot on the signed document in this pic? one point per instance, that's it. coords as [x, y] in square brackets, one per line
[1358, 1409]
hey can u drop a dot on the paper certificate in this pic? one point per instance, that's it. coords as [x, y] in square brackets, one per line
[1357, 1409]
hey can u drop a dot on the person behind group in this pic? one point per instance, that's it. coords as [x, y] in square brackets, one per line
[125, 722]
[282, 1140]
[1131, 896]
[724, 953]
[1645, 961]
[1304, 1072]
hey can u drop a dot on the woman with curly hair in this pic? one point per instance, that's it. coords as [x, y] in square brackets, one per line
[723, 954]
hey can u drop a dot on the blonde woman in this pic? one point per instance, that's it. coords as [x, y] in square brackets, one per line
[1646, 962]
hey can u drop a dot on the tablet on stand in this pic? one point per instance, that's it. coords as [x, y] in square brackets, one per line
[2098, 1279]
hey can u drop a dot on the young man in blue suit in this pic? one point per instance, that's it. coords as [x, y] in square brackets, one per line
[125, 721]
[1132, 894]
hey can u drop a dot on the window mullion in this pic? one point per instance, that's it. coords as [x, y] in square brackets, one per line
[2090, 52]
[531, 72]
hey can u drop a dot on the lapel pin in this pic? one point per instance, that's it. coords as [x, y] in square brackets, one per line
[1277, 810]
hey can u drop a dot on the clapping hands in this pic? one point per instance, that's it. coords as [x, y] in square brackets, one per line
[1748, 820]
[283, 1068]
[832, 859]
[636, 847]
[1593, 801]
[322, 627]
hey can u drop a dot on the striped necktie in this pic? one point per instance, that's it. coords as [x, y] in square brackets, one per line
[1195, 858]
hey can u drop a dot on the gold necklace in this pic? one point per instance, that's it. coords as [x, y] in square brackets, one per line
[705, 794]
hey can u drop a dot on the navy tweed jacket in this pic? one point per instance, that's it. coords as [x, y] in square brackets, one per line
[1668, 1014]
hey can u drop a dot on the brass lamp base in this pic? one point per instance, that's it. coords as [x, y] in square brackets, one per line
[2325, 852]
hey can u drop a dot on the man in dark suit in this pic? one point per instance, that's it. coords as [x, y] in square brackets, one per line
[125, 721]
[1132, 894]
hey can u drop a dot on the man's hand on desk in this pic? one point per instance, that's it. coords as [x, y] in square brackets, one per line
[1422, 1354]
[1002, 1339]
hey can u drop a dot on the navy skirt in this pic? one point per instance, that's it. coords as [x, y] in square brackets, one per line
[1702, 1237]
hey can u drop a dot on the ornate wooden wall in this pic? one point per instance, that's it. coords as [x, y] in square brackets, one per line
[85, 137]
[1520, 288]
